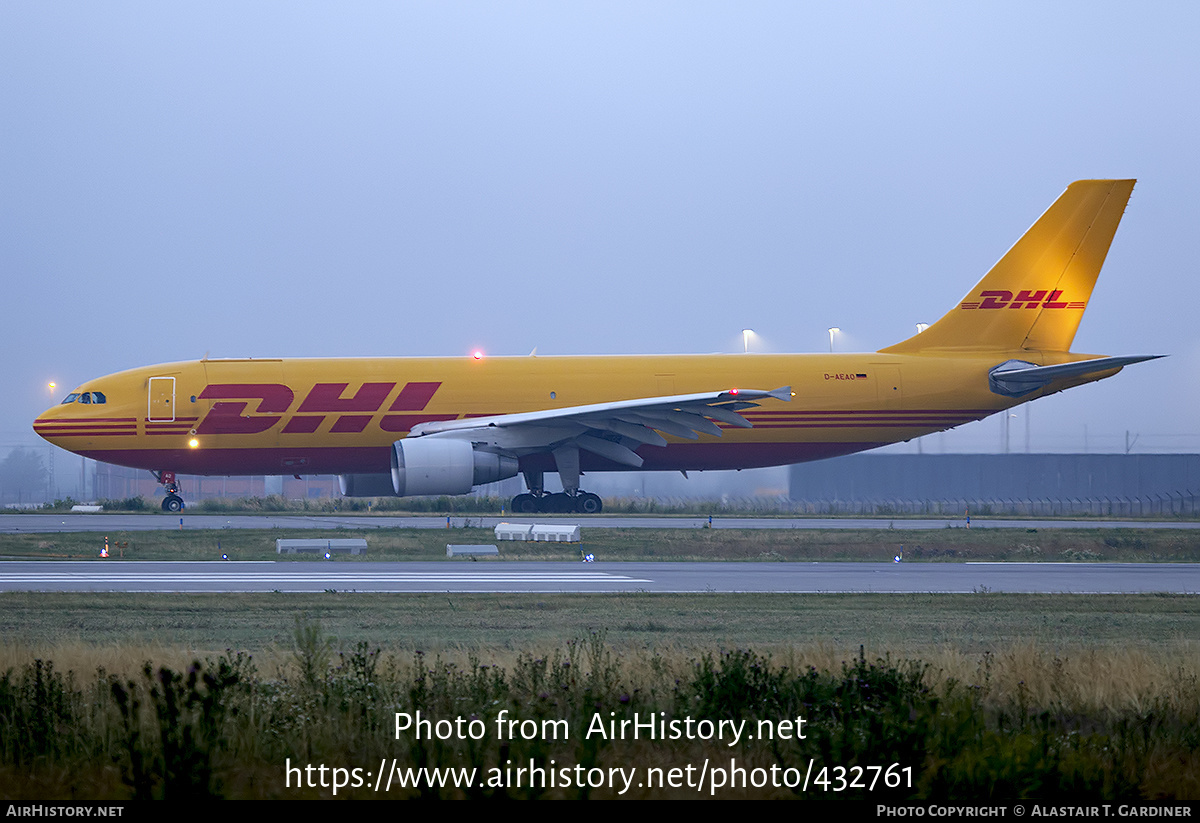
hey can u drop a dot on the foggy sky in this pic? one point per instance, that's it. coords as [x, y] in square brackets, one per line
[301, 179]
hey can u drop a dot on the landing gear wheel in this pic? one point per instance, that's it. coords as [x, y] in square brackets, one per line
[172, 503]
[525, 504]
[588, 503]
[554, 503]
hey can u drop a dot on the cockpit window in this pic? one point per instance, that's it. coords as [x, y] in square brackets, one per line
[85, 397]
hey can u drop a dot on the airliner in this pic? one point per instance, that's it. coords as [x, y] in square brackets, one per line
[441, 426]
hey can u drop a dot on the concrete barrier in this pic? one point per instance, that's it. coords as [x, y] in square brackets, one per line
[470, 550]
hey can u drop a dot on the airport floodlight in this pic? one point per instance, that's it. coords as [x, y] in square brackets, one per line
[832, 332]
[746, 340]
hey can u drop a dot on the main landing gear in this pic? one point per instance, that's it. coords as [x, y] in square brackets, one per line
[582, 503]
[172, 502]
[570, 500]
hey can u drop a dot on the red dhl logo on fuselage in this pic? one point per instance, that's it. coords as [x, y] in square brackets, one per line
[353, 413]
[1026, 298]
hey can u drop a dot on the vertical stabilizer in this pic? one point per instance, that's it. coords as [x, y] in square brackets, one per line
[1035, 296]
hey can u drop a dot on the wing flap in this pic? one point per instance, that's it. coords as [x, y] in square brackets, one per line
[634, 431]
[660, 422]
[723, 414]
[613, 451]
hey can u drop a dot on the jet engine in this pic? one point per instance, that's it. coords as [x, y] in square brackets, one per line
[422, 466]
[366, 485]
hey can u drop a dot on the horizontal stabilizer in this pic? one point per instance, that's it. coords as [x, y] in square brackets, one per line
[1015, 378]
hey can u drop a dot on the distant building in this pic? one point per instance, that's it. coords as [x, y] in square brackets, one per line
[935, 484]
[945, 484]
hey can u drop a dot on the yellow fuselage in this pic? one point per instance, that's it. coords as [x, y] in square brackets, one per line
[340, 416]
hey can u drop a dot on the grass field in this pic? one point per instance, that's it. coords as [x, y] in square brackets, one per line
[897, 623]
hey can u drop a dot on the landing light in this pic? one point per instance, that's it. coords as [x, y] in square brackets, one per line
[477, 354]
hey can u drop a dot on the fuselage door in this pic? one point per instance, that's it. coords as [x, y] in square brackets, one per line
[161, 401]
[887, 383]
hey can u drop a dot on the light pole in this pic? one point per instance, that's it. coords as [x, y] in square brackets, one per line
[746, 340]
[51, 386]
[832, 332]
[1007, 416]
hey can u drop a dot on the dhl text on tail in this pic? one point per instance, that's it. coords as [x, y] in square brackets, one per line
[432, 426]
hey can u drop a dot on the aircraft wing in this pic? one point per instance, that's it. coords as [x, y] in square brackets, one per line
[612, 430]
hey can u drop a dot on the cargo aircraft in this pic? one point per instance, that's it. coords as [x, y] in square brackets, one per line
[440, 426]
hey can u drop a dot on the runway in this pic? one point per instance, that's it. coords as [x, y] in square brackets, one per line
[523, 576]
[46, 523]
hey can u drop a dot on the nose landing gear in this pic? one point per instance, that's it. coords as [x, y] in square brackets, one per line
[172, 502]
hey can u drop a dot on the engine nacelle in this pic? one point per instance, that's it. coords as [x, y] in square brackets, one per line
[366, 485]
[431, 466]
[443, 466]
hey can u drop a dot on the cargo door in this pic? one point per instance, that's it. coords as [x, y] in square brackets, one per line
[160, 407]
[887, 382]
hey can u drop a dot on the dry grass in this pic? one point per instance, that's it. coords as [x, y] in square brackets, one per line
[1111, 678]
[1096, 679]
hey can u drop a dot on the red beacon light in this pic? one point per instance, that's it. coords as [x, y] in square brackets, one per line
[733, 391]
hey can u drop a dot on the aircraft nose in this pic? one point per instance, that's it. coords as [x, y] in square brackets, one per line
[44, 425]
